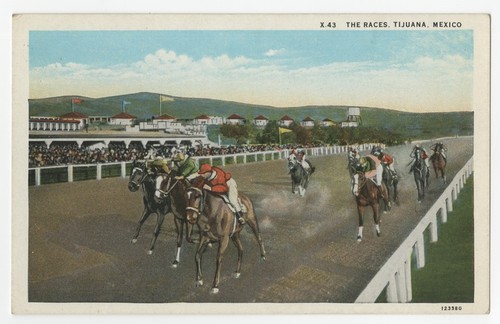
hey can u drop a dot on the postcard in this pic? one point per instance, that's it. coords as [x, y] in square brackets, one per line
[273, 163]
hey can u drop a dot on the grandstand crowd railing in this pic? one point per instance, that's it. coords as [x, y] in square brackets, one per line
[75, 172]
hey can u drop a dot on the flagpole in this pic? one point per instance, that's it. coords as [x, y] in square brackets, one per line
[160, 105]
[72, 105]
[279, 135]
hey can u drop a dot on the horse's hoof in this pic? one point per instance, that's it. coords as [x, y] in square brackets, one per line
[199, 283]
[236, 275]
[134, 240]
[175, 264]
[150, 252]
[359, 238]
[385, 211]
[263, 258]
[379, 234]
[214, 291]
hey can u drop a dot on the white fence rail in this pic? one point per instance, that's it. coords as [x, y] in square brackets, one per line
[221, 159]
[395, 274]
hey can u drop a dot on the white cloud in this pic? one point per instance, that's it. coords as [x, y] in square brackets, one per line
[274, 52]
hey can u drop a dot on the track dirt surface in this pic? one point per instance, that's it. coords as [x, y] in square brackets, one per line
[80, 235]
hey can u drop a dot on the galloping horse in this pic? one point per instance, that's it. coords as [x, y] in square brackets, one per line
[438, 161]
[218, 223]
[390, 179]
[142, 176]
[300, 177]
[168, 188]
[420, 173]
[366, 194]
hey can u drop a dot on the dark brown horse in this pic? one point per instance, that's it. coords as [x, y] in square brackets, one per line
[144, 176]
[173, 190]
[218, 223]
[438, 161]
[367, 195]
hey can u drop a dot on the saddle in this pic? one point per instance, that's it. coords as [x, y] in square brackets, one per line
[226, 200]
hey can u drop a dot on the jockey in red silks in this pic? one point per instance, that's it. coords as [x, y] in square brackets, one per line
[221, 182]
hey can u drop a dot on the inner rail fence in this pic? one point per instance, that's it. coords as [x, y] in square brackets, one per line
[97, 171]
[395, 275]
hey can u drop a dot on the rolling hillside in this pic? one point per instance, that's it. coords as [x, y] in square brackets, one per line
[145, 105]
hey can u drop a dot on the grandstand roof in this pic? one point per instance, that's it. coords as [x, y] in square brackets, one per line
[74, 115]
[166, 116]
[235, 116]
[124, 115]
[260, 117]
[286, 117]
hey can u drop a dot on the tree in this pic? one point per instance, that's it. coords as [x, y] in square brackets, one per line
[239, 132]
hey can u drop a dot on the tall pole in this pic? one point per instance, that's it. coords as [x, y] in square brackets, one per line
[72, 105]
[160, 105]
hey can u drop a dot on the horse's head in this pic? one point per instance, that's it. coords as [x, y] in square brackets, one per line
[194, 204]
[163, 183]
[137, 176]
[358, 178]
[292, 162]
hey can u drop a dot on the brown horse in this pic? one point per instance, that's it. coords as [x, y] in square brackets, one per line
[170, 189]
[438, 161]
[218, 223]
[367, 194]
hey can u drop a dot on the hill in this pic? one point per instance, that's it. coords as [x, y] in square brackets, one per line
[144, 105]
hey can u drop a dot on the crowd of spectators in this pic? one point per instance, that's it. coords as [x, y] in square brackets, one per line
[70, 153]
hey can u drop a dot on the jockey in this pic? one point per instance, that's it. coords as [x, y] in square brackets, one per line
[372, 167]
[186, 167]
[386, 159]
[353, 154]
[220, 182]
[439, 147]
[306, 164]
[423, 152]
[161, 165]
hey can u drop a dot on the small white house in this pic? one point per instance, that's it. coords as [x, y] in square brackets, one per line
[123, 119]
[235, 119]
[208, 120]
[260, 121]
[327, 122]
[285, 121]
[307, 122]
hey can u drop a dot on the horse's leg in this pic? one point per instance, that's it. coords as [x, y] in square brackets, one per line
[145, 214]
[360, 223]
[376, 218]
[179, 228]
[159, 222]
[237, 242]
[220, 253]
[395, 186]
[254, 225]
[385, 198]
[198, 258]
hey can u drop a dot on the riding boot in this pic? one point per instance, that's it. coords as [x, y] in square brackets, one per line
[241, 220]
[379, 188]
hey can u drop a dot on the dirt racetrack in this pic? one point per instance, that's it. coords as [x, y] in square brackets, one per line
[80, 234]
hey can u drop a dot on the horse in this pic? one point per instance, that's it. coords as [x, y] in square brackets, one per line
[439, 162]
[390, 179]
[218, 223]
[300, 177]
[367, 194]
[142, 176]
[168, 188]
[420, 173]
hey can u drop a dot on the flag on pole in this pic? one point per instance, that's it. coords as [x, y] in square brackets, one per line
[165, 98]
[284, 130]
[76, 101]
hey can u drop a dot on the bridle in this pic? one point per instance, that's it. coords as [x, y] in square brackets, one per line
[198, 210]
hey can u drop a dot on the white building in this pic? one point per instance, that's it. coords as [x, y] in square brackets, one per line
[208, 120]
[285, 121]
[260, 121]
[307, 122]
[235, 119]
[122, 118]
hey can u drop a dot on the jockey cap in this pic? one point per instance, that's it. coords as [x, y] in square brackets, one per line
[205, 168]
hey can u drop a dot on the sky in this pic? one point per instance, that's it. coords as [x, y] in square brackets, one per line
[411, 70]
